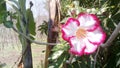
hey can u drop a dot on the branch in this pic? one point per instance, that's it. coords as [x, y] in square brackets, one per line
[70, 59]
[95, 58]
[112, 37]
[36, 42]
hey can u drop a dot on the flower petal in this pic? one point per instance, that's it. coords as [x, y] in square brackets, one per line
[90, 48]
[77, 46]
[97, 36]
[69, 28]
[88, 21]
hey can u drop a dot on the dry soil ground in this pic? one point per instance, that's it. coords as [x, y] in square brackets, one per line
[10, 55]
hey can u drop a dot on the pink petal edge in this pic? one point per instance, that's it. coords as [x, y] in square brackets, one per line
[94, 17]
[72, 51]
[102, 39]
[77, 53]
[66, 24]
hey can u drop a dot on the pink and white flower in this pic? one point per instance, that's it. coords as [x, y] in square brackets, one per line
[84, 34]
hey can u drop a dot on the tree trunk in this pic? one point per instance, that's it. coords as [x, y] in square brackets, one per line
[53, 24]
[27, 58]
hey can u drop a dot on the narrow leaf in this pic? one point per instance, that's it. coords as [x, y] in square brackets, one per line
[31, 23]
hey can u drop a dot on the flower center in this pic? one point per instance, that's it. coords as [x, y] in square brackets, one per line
[80, 33]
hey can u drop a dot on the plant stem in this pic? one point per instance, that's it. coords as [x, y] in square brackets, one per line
[95, 58]
[70, 59]
[112, 37]
[33, 41]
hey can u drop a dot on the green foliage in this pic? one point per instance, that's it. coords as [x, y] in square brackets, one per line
[31, 23]
[2, 11]
[8, 24]
[3, 18]
[59, 55]
[118, 60]
[43, 28]
[3, 7]
[82, 62]
[59, 62]
[18, 24]
[4, 15]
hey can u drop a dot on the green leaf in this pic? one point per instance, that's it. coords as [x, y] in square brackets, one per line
[18, 24]
[2, 10]
[2, 18]
[63, 46]
[31, 23]
[8, 24]
[76, 65]
[16, 2]
[64, 20]
[16, 8]
[59, 62]
[2, 6]
[56, 54]
[43, 28]
[118, 62]
[22, 4]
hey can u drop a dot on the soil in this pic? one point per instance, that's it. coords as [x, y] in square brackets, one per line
[9, 56]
